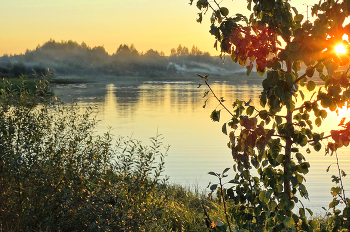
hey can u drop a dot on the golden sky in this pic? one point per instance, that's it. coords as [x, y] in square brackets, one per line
[156, 24]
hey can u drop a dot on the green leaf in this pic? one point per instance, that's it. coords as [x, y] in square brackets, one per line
[317, 146]
[224, 129]
[226, 169]
[200, 17]
[278, 119]
[250, 110]
[224, 11]
[213, 173]
[323, 114]
[280, 158]
[249, 6]
[334, 203]
[289, 222]
[295, 10]
[263, 114]
[313, 224]
[318, 122]
[300, 157]
[298, 18]
[213, 187]
[272, 205]
[311, 85]
[309, 211]
[215, 115]
[262, 197]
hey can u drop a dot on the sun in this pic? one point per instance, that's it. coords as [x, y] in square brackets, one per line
[340, 49]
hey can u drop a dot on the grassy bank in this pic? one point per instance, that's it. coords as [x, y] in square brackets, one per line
[56, 174]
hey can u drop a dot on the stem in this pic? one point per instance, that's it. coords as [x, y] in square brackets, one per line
[206, 82]
[304, 75]
[341, 181]
[251, 192]
[223, 201]
[289, 142]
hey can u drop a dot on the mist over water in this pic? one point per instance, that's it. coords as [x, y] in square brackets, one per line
[196, 67]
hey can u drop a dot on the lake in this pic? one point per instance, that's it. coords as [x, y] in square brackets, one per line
[175, 109]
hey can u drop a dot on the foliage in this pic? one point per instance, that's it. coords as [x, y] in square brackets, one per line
[56, 174]
[266, 140]
[18, 69]
[71, 58]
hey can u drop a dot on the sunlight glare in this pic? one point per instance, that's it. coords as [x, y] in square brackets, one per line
[340, 49]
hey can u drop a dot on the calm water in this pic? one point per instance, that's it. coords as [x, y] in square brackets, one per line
[197, 144]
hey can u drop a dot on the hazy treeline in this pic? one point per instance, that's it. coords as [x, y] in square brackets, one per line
[71, 58]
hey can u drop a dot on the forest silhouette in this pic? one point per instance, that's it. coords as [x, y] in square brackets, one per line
[70, 58]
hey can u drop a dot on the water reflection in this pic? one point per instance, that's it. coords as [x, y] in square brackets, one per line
[197, 144]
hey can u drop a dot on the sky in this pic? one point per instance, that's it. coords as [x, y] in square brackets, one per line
[157, 24]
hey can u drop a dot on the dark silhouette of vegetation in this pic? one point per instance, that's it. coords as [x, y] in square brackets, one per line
[70, 58]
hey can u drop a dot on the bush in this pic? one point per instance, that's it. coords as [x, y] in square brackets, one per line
[57, 175]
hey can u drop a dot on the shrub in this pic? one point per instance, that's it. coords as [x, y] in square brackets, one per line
[56, 174]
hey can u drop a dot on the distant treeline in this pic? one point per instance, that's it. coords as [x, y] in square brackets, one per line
[70, 58]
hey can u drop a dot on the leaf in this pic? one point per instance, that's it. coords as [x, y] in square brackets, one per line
[213, 173]
[262, 196]
[300, 157]
[343, 173]
[213, 187]
[200, 17]
[224, 129]
[313, 224]
[278, 119]
[342, 121]
[288, 221]
[215, 115]
[250, 110]
[310, 72]
[318, 122]
[280, 158]
[310, 211]
[224, 11]
[334, 203]
[311, 85]
[299, 18]
[295, 10]
[263, 114]
[327, 170]
[317, 146]
[323, 114]
[249, 71]
[249, 6]
[233, 182]
[226, 169]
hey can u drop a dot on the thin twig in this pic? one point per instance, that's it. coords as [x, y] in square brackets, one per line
[223, 201]
[341, 181]
[211, 90]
